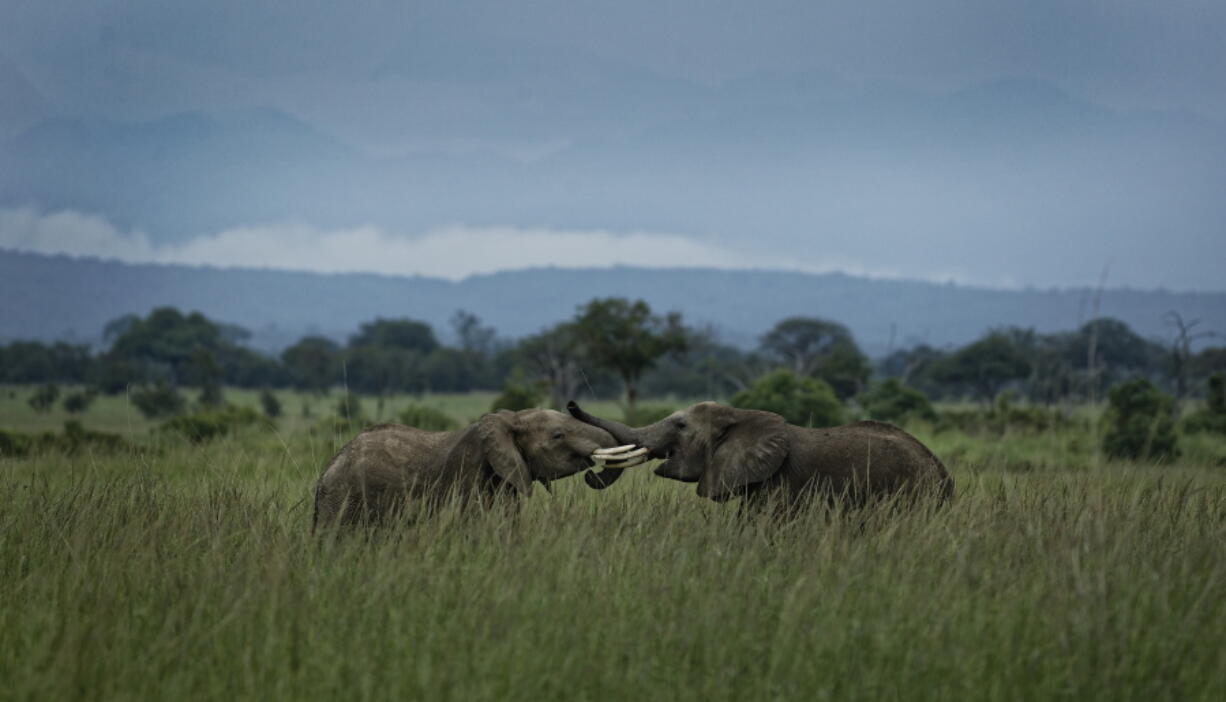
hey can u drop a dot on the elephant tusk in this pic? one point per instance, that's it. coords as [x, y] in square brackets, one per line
[622, 460]
[615, 449]
[620, 456]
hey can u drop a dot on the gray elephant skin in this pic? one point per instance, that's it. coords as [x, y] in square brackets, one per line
[380, 470]
[733, 452]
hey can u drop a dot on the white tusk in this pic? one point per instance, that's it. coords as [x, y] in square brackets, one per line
[626, 463]
[619, 457]
[615, 449]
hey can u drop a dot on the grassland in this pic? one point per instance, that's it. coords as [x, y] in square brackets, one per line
[174, 570]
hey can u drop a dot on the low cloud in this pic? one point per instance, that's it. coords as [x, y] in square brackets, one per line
[451, 252]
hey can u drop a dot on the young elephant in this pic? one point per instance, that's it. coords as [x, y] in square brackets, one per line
[734, 452]
[375, 474]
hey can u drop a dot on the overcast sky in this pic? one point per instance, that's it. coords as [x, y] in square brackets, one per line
[390, 79]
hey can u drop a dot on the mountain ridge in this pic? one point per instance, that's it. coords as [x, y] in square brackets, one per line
[67, 298]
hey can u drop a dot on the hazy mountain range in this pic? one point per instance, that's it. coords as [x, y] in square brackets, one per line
[58, 297]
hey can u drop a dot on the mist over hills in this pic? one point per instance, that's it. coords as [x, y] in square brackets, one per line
[59, 297]
[803, 163]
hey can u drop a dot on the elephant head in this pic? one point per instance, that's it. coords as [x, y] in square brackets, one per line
[723, 449]
[543, 445]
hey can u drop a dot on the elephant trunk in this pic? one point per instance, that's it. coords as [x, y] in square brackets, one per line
[622, 433]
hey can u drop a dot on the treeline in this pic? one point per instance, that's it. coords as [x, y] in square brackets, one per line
[613, 346]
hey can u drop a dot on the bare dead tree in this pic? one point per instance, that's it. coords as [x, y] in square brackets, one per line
[1181, 351]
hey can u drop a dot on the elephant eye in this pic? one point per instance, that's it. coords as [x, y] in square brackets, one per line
[681, 424]
[559, 435]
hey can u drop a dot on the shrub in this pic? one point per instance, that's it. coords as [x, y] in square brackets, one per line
[270, 404]
[891, 401]
[349, 408]
[211, 424]
[44, 397]
[800, 400]
[73, 439]
[78, 402]
[157, 400]
[1213, 417]
[1139, 422]
[427, 418]
[518, 396]
[648, 414]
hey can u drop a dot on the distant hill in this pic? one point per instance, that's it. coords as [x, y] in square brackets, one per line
[58, 297]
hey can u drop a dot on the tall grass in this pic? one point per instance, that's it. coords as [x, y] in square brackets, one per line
[191, 572]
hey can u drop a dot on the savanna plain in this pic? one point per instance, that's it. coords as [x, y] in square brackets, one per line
[166, 568]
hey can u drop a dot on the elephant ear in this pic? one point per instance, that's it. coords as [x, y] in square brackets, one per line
[749, 449]
[497, 440]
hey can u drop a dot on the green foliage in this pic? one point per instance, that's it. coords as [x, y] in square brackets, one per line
[1004, 417]
[75, 438]
[405, 334]
[158, 400]
[1139, 423]
[35, 362]
[1213, 417]
[804, 401]
[821, 348]
[427, 418]
[314, 363]
[985, 365]
[647, 414]
[270, 404]
[626, 338]
[78, 402]
[349, 407]
[44, 397]
[891, 401]
[210, 424]
[518, 395]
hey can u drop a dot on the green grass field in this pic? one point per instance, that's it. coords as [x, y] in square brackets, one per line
[174, 570]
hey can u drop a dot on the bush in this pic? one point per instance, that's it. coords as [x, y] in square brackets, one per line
[211, 424]
[75, 438]
[800, 400]
[158, 400]
[349, 408]
[44, 397]
[270, 404]
[891, 401]
[427, 418]
[1003, 417]
[518, 396]
[1139, 422]
[1213, 417]
[78, 402]
[648, 414]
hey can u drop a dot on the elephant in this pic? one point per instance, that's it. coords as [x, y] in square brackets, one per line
[380, 470]
[733, 452]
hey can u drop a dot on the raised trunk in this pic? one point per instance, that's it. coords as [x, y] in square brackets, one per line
[622, 433]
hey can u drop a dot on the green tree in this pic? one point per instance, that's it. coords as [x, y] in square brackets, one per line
[628, 339]
[313, 363]
[553, 355]
[821, 348]
[517, 394]
[801, 400]
[985, 366]
[167, 339]
[407, 334]
[1139, 422]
